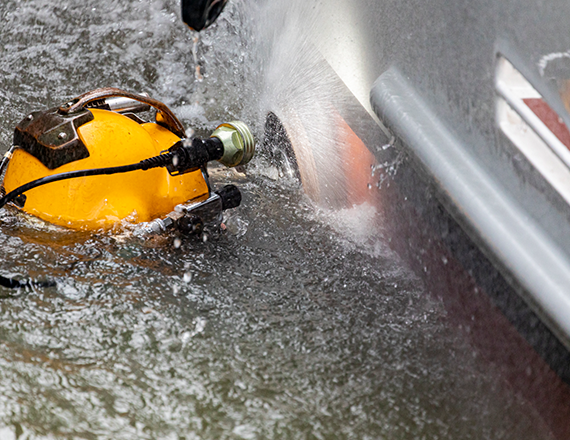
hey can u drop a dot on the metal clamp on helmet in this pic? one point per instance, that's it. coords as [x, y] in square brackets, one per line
[199, 14]
[195, 217]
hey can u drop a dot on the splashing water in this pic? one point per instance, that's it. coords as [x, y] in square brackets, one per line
[297, 323]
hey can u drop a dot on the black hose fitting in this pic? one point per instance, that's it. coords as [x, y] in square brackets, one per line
[164, 160]
[187, 158]
[190, 224]
[199, 14]
[230, 196]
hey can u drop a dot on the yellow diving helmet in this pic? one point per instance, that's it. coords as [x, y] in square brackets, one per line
[92, 162]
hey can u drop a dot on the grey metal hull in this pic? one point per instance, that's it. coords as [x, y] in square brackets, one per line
[471, 206]
[428, 72]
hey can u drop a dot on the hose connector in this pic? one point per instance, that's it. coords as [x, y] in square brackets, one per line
[239, 144]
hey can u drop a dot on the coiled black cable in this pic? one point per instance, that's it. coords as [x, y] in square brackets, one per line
[147, 164]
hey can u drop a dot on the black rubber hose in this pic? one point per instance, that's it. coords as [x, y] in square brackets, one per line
[11, 283]
[147, 164]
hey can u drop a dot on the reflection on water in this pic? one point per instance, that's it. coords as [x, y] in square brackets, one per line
[293, 324]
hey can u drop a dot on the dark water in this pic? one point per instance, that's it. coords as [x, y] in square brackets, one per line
[296, 323]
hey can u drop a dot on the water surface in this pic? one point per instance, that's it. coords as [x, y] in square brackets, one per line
[296, 323]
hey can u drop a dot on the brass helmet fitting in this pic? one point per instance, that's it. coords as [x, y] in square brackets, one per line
[239, 144]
